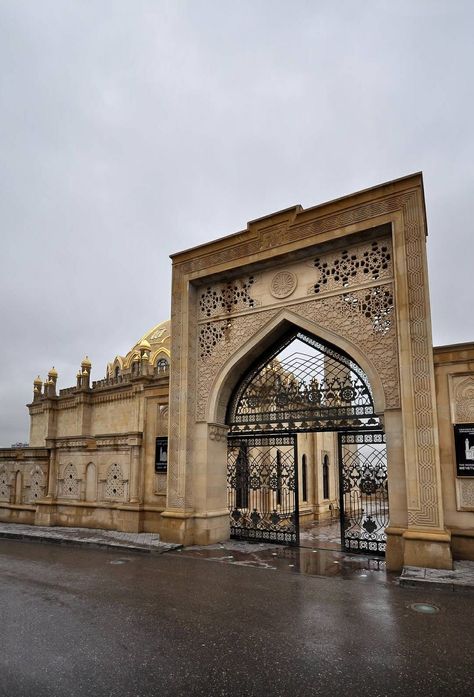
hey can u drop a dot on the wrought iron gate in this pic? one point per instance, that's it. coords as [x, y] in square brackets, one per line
[262, 488]
[363, 491]
[304, 385]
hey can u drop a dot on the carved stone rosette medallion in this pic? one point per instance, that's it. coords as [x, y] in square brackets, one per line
[283, 284]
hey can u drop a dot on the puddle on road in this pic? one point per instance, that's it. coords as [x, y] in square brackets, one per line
[119, 561]
[303, 560]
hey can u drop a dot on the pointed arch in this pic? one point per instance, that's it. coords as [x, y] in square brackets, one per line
[37, 484]
[18, 487]
[91, 482]
[69, 482]
[271, 333]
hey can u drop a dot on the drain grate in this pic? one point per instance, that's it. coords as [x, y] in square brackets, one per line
[424, 608]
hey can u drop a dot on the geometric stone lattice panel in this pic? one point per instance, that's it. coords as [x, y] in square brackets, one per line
[37, 488]
[210, 335]
[352, 266]
[70, 484]
[226, 297]
[114, 485]
[4, 484]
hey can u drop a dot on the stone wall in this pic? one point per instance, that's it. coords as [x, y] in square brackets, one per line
[98, 469]
[454, 373]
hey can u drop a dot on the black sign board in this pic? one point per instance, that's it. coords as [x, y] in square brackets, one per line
[161, 455]
[464, 441]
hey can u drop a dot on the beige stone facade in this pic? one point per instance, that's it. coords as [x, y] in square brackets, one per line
[351, 273]
[91, 460]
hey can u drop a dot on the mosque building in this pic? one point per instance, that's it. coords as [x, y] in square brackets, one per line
[295, 389]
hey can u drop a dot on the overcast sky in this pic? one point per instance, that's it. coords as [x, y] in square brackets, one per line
[132, 129]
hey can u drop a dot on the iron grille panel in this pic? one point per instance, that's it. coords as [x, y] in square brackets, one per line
[363, 491]
[262, 488]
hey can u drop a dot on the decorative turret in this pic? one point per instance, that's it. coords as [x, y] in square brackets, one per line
[49, 388]
[136, 365]
[144, 347]
[37, 387]
[53, 377]
[145, 362]
[83, 376]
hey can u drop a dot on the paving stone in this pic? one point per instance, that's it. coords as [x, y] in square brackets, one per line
[460, 578]
[414, 572]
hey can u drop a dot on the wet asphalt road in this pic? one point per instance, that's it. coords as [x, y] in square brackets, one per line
[75, 622]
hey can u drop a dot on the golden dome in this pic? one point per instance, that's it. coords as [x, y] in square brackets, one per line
[86, 362]
[53, 373]
[156, 342]
[37, 381]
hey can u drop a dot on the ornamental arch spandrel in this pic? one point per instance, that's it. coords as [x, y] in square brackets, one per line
[352, 272]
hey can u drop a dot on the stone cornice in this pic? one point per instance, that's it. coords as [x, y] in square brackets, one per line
[307, 227]
[24, 453]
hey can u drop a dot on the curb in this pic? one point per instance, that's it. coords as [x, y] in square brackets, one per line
[113, 546]
[435, 585]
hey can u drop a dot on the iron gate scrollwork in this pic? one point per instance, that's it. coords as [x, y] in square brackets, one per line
[363, 491]
[313, 388]
[262, 488]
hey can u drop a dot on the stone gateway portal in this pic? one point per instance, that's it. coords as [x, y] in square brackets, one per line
[295, 385]
[351, 274]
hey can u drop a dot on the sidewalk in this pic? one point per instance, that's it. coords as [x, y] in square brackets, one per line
[461, 578]
[140, 542]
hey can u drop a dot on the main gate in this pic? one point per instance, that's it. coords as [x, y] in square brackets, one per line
[304, 385]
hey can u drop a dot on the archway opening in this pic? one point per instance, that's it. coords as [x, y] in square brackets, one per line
[306, 450]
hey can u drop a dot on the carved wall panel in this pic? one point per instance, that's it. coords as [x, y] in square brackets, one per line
[465, 490]
[37, 484]
[218, 432]
[464, 401]
[114, 484]
[69, 484]
[160, 484]
[364, 317]
[225, 297]
[427, 513]
[353, 266]
[4, 484]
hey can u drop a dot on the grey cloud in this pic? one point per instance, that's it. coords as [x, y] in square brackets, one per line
[130, 130]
